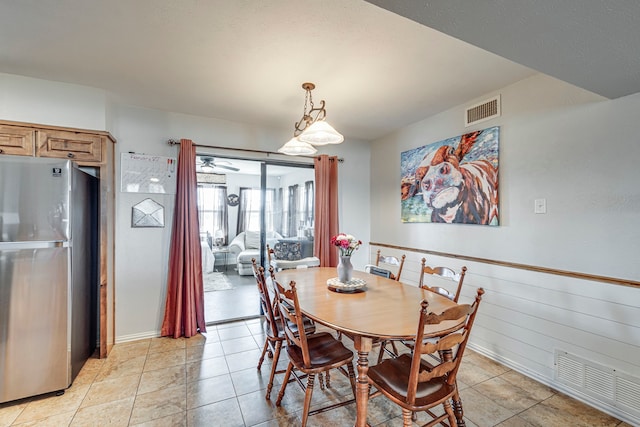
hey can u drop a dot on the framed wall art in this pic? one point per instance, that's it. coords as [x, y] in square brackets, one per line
[452, 181]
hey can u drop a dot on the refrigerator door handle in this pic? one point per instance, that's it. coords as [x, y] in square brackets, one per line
[32, 245]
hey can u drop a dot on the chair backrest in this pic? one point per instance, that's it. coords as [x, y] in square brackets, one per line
[391, 260]
[450, 346]
[445, 273]
[292, 319]
[370, 268]
[269, 254]
[269, 308]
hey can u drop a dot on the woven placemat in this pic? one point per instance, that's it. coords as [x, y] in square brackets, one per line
[355, 283]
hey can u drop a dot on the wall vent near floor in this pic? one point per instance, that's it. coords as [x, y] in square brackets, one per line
[485, 110]
[600, 382]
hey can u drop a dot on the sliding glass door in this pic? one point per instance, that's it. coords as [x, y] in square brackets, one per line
[243, 206]
[292, 202]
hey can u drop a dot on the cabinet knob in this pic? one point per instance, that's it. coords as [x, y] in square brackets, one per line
[70, 155]
[1, 151]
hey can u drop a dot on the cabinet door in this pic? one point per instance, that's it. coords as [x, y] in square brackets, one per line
[17, 140]
[81, 147]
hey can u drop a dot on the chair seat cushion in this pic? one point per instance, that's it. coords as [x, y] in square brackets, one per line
[324, 351]
[392, 378]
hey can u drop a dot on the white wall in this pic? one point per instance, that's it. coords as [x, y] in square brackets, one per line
[557, 142]
[578, 151]
[24, 99]
[142, 254]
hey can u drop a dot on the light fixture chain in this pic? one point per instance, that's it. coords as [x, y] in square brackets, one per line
[310, 96]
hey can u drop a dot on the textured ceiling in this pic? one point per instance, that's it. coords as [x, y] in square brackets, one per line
[245, 61]
[593, 44]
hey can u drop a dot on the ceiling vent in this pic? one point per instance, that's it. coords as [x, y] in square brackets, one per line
[485, 110]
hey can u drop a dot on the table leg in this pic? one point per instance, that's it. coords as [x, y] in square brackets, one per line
[363, 346]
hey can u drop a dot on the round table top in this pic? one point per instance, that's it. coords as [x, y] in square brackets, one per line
[386, 308]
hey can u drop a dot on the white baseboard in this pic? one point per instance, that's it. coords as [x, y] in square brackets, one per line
[135, 337]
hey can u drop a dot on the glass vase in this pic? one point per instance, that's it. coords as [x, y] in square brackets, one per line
[345, 269]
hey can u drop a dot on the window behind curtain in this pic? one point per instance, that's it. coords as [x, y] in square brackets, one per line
[293, 210]
[278, 212]
[212, 211]
[309, 205]
[299, 210]
[249, 209]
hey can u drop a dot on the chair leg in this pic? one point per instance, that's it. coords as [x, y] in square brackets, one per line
[457, 408]
[352, 378]
[285, 381]
[383, 349]
[264, 351]
[383, 344]
[406, 418]
[450, 413]
[307, 399]
[274, 368]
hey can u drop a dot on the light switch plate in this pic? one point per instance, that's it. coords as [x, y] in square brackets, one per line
[540, 206]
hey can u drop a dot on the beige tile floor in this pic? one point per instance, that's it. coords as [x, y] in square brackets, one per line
[211, 380]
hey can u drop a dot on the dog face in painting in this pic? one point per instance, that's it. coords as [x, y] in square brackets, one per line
[456, 191]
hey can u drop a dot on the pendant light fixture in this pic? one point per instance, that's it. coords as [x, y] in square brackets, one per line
[311, 129]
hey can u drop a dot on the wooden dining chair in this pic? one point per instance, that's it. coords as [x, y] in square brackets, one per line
[274, 332]
[388, 260]
[417, 385]
[378, 271]
[445, 273]
[288, 255]
[441, 272]
[309, 354]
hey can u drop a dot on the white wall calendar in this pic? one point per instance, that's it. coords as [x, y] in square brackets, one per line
[143, 173]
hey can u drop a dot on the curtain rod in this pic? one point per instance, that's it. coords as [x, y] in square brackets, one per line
[247, 150]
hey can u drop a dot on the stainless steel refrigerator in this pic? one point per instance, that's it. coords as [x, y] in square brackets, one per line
[49, 275]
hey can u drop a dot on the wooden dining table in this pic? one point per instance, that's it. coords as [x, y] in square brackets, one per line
[383, 309]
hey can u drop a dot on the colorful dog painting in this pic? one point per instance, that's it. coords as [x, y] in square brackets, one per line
[452, 181]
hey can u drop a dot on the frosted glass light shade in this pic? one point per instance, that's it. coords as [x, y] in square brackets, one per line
[296, 147]
[321, 133]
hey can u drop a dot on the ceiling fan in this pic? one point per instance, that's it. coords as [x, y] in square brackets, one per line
[207, 164]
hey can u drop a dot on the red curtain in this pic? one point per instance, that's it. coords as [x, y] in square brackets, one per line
[326, 209]
[184, 308]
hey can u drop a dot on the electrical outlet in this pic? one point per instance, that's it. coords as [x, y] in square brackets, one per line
[540, 206]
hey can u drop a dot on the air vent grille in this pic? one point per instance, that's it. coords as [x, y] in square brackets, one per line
[570, 370]
[600, 382]
[485, 110]
[628, 393]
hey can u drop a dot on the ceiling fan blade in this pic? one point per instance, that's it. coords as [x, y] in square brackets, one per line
[231, 168]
